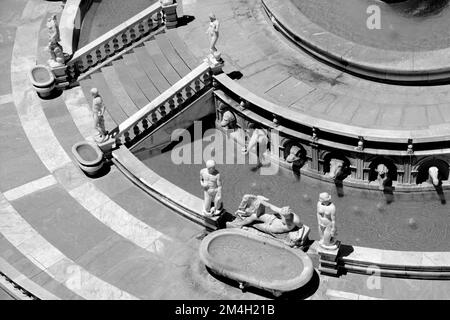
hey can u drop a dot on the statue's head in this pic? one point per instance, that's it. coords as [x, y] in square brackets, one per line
[94, 92]
[228, 119]
[382, 170]
[325, 198]
[212, 17]
[211, 165]
[294, 152]
[287, 213]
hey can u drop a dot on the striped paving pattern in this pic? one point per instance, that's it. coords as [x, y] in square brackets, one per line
[50, 128]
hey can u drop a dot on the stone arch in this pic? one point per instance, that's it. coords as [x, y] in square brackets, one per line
[389, 163]
[425, 164]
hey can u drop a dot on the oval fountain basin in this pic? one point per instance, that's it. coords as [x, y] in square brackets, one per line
[256, 261]
[89, 156]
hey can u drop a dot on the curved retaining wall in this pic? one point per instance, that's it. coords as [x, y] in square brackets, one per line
[416, 68]
[323, 140]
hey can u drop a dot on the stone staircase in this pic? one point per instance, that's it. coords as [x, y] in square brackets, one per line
[138, 77]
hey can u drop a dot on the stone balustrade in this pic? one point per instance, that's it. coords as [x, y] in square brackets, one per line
[116, 40]
[407, 154]
[162, 108]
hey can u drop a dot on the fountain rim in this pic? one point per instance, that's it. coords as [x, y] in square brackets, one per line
[387, 66]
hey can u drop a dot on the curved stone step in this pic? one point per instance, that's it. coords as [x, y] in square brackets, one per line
[150, 68]
[182, 49]
[171, 55]
[139, 75]
[112, 80]
[129, 84]
[162, 63]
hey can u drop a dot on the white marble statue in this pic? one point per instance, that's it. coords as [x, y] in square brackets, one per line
[211, 183]
[54, 48]
[98, 110]
[326, 218]
[259, 136]
[382, 176]
[213, 32]
[293, 155]
[336, 168]
[282, 223]
[433, 176]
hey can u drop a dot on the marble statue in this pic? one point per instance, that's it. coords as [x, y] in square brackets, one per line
[211, 183]
[259, 136]
[326, 218]
[213, 32]
[54, 48]
[281, 223]
[382, 176]
[228, 120]
[433, 176]
[98, 110]
[336, 168]
[294, 154]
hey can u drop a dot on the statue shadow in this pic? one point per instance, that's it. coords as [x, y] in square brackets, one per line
[102, 172]
[53, 95]
[302, 293]
[388, 192]
[184, 20]
[344, 251]
[440, 193]
[235, 75]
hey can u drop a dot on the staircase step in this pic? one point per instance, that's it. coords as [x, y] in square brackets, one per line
[139, 75]
[113, 114]
[121, 95]
[151, 69]
[128, 83]
[169, 52]
[162, 63]
[182, 49]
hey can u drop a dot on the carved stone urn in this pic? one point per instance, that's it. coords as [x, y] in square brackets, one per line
[42, 79]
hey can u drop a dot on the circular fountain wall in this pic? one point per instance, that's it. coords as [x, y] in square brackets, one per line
[396, 42]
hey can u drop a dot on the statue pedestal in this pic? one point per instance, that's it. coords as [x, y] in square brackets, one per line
[215, 65]
[170, 13]
[328, 259]
[59, 72]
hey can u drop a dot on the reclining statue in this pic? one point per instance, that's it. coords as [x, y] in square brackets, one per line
[283, 224]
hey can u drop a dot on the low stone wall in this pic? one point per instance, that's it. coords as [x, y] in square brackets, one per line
[360, 150]
[70, 23]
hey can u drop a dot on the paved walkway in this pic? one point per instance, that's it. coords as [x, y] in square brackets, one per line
[274, 68]
[81, 238]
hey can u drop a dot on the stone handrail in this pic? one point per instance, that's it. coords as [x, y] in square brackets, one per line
[170, 101]
[114, 41]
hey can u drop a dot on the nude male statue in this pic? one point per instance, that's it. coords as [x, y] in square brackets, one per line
[98, 109]
[326, 218]
[211, 183]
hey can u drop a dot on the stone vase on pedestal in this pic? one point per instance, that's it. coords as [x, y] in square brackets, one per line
[89, 157]
[42, 79]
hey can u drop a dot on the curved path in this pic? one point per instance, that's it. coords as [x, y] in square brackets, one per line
[277, 70]
[100, 238]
